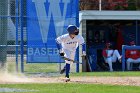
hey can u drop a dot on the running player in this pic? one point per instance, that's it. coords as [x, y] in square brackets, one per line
[67, 45]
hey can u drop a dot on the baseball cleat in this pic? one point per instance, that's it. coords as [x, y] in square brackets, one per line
[67, 79]
[62, 71]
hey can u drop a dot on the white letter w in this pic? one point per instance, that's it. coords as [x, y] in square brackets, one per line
[55, 12]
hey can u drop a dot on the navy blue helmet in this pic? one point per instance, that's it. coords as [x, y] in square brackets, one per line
[71, 29]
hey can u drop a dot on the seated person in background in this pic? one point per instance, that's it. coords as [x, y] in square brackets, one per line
[133, 56]
[110, 55]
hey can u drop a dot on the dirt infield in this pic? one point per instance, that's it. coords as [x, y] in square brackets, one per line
[12, 79]
[134, 81]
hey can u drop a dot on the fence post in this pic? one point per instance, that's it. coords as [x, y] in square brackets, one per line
[100, 5]
[123, 57]
[3, 31]
[21, 43]
[17, 35]
[77, 23]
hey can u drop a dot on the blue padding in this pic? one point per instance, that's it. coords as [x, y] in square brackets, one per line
[84, 47]
[131, 47]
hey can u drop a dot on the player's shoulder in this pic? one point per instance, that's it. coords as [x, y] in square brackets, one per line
[79, 36]
[64, 35]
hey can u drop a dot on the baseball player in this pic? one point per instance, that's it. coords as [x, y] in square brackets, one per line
[110, 55]
[67, 45]
[133, 56]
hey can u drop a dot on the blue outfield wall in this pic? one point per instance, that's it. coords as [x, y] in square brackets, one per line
[46, 20]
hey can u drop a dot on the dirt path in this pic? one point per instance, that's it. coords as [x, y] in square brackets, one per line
[134, 81]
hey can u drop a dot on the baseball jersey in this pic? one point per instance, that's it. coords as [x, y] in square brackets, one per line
[107, 52]
[68, 43]
[134, 54]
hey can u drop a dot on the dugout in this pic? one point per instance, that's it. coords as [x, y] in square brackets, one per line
[99, 27]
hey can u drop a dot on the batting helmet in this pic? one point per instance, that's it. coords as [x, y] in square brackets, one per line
[71, 29]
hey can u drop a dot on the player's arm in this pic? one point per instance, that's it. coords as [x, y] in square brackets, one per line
[59, 45]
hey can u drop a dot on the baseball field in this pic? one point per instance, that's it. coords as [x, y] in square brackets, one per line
[93, 82]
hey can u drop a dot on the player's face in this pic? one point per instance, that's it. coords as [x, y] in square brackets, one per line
[76, 32]
[72, 35]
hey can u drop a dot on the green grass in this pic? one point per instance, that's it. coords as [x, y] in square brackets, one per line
[41, 67]
[46, 68]
[120, 73]
[73, 88]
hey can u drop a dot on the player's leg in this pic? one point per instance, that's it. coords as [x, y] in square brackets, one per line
[116, 55]
[128, 62]
[109, 61]
[71, 55]
[63, 70]
[67, 70]
[137, 61]
[67, 55]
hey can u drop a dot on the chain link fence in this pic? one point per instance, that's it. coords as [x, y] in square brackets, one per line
[7, 36]
[10, 35]
[11, 39]
[39, 46]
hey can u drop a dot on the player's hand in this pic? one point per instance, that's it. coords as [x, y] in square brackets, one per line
[61, 53]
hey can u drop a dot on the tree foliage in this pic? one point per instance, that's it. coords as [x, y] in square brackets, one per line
[110, 4]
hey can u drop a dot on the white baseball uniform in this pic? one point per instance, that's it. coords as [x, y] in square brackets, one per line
[112, 56]
[69, 45]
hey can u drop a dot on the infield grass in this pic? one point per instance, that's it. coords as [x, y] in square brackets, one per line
[47, 68]
[73, 88]
[115, 74]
